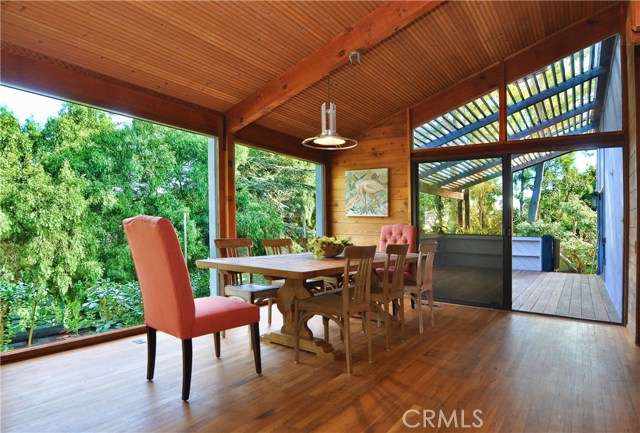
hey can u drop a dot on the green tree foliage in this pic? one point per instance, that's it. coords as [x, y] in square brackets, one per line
[440, 214]
[65, 189]
[275, 196]
[143, 168]
[486, 208]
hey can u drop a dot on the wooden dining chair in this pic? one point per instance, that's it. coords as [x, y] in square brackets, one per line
[167, 296]
[234, 282]
[328, 282]
[390, 289]
[355, 298]
[399, 234]
[285, 246]
[277, 246]
[424, 280]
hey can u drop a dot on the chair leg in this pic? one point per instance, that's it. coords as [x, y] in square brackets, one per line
[431, 307]
[401, 308]
[151, 352]
[387, 324]
[419, 308]
[187, 360]
[347, 344]
[367, 317]
[216, 343]
[270, 303]
[255, 342]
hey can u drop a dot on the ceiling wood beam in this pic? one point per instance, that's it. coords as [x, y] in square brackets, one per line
[633, 23]
[32, 71]
[518, 106]
[555, 47]
[459, 94]
[279, 142]
[484, 150]
[366, 33]
[35, 72]
[565, 42]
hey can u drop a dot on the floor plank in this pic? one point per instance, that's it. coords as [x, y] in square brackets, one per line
[526, 373]
[562, 294]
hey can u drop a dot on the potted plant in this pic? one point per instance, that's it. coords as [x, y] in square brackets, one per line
[326, 246]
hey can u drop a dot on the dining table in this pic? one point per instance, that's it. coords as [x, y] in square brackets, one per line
[294, 269]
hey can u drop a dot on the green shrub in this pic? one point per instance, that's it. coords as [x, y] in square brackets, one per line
[112, 305]
[200, 283]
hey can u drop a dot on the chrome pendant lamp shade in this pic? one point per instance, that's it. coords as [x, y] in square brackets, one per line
[329, 139]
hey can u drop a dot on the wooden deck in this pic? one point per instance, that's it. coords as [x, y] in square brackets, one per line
[562, 294]
[526, 373]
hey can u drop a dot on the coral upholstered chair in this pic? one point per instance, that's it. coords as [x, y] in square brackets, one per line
[399, 234]
[168, 300]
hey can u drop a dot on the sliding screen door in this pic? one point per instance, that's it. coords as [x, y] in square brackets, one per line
[460, 205]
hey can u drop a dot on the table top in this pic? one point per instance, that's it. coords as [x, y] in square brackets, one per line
[293, 266]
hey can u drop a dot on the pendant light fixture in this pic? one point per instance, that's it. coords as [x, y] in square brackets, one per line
[329, 139]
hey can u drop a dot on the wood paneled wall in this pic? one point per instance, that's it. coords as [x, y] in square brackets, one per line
[386, 145]
[633, 72]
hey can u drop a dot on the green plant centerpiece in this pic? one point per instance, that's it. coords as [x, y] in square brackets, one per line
[327, 246]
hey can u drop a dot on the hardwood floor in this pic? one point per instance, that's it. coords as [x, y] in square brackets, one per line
[561, 294]
[525, 373]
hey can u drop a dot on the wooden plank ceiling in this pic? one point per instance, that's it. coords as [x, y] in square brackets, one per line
[217, 54]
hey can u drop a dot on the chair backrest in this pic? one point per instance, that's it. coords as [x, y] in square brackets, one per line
[356, 293]
[234, 247]
[427, 252]
[396, 256]
[167, 296]
[277, 246]
[304, 243]
[400, 234]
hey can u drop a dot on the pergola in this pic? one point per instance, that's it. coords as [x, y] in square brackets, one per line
[564, 98]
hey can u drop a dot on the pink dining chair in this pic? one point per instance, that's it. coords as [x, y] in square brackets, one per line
[399, 234]
[168, 301]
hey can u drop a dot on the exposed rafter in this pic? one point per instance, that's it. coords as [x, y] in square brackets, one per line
[369, 31]
[488, 165]
[487, 171]
[554, 120]
[606, 56]
[544, 157]
[520, 105]
[442, 192]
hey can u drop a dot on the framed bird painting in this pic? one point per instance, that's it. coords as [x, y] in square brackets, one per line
[367, 192]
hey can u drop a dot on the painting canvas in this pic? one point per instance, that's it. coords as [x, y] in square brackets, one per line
[367, 192]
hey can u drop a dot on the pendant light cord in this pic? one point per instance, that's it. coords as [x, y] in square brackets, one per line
[329, 88]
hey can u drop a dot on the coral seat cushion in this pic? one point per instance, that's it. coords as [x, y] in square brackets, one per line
[217, 313]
